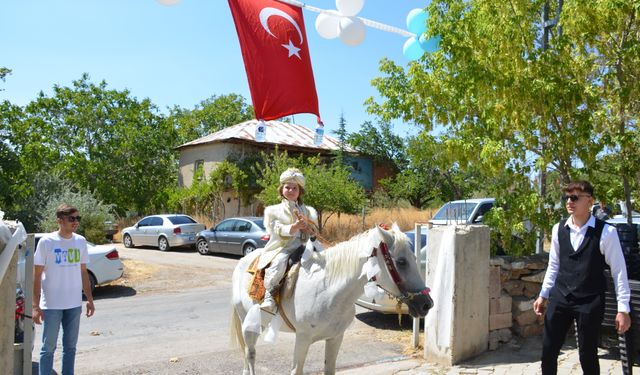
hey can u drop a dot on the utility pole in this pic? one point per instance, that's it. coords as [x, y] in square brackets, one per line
[547, 25]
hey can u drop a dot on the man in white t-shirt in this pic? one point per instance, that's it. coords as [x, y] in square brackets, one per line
[60, 277]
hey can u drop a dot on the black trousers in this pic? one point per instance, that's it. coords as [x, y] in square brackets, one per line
[561, 313]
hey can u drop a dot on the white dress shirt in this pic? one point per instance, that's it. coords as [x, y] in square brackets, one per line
[609, 247]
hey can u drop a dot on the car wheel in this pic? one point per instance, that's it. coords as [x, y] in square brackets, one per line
[248, 248]
[163, 244]
[202, 246]
[92, 282]
[126, 240]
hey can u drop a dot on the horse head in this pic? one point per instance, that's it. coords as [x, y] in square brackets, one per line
[399, 274]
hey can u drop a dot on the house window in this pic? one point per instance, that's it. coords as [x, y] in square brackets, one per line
[197, 167]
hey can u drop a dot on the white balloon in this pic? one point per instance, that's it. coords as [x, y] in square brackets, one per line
[352, 31]
[327, 25]
[349, 8]
[168, 2]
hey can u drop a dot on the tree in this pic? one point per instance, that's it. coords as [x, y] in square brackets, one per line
[4, 72]
[328, 187]
[103, 140]
[610, 34]
[431, 175]
[382, 145]
[209, 116]
[508, 107]
[12, 183]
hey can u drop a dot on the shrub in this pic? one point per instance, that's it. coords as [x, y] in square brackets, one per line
[94, 213]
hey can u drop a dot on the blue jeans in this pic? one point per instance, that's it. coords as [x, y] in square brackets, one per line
[70, 321]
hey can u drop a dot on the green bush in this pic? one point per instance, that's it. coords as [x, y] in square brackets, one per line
[94, 213]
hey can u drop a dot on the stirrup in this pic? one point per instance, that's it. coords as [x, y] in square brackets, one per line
[269, 305]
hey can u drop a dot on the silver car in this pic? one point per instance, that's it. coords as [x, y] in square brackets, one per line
[467, 211]
[236, 235]
[163, 231]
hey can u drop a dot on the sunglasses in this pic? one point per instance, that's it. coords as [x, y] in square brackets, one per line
[573, 197]
[73, 219]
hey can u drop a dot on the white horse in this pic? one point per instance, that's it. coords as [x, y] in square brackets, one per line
[322, 304]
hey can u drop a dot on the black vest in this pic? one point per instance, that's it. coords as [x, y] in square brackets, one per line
[581, 271]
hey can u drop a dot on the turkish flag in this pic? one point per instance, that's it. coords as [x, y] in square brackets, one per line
[276, 57]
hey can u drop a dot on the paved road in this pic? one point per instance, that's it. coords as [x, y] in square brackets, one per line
[172, 318]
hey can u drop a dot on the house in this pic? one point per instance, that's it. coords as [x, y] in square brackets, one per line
[238, 140]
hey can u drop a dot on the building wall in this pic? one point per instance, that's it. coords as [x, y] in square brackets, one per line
[210, 154]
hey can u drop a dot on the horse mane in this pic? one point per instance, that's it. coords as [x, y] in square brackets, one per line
[343, 261]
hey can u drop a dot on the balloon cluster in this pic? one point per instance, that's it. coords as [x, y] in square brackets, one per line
[417, 45]
[343, 23]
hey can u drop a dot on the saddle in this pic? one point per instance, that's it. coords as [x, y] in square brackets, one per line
[256, 288]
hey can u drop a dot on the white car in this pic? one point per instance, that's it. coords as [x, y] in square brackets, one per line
[163, 231]
[104, 263]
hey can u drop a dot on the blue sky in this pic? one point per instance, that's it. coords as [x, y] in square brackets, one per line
[182, 54]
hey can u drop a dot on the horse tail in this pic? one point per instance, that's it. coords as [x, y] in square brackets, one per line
[235, 334]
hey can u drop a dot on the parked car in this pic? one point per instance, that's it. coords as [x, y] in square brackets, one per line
[467, 211]
[104, 263]
[236, 235]
[163, 231]
[619, 215]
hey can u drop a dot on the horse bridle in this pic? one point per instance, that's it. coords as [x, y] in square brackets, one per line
[395, 276]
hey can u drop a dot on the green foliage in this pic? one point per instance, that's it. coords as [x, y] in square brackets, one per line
[209, 116]
[4, 72]
[508, 108]
[103, 140]
[328, 187]
[382, 145]
[93, 211]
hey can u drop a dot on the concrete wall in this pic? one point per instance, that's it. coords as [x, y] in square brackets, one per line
[459, 328]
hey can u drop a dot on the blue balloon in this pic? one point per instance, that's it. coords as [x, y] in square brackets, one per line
[412, 50]
[429, 45]
[417, 21]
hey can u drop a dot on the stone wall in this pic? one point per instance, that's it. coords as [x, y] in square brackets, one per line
[514, 284]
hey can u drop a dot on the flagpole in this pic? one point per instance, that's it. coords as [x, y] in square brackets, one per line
[368, 22]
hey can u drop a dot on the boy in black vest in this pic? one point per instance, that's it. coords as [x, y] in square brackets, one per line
[574, 284]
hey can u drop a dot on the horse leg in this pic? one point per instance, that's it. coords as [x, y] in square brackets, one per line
[331, 347]
[300, 354]
[250, 339]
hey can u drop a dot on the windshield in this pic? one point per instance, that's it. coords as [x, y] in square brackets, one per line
[181, 220]
[455, 211]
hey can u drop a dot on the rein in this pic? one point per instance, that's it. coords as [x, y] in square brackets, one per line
[395, 276]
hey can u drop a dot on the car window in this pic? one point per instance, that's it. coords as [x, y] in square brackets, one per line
[484, 208]
[181, 219]
[145, 222]
[260, 223]
[243, 226]
[156, 221]
[455, 211]
[226, 226]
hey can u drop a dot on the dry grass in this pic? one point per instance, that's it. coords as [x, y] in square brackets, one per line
[338, 228]
[341, 228]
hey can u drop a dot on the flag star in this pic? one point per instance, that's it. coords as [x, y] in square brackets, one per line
[293, 50]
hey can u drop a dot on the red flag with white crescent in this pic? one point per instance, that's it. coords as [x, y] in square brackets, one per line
[276, 57]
